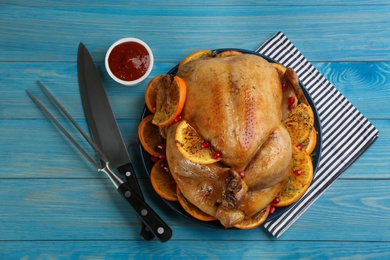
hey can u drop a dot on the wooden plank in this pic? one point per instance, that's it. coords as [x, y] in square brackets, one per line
[189, 3]
[365, 84]
[194, 249]
[35, 149]
[91, 210]
[177, 30]
[373, 158]
[61, 80]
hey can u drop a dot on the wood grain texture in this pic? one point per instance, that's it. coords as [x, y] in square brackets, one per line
[175, 30]
[195, 250]
[54, 205]
[85, 209]
[187, 3]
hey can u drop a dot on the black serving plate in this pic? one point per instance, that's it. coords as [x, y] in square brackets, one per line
[148, 164]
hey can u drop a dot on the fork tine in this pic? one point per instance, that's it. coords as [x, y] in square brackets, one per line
[82, 132]
[63, 130]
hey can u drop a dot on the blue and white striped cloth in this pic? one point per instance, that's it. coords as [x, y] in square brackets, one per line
[346, 133]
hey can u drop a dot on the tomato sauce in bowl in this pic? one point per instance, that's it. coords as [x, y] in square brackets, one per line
[129, 61]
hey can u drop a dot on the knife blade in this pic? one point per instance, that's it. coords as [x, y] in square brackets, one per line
[103, 125]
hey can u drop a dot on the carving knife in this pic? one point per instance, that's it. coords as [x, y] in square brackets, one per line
[103, 126]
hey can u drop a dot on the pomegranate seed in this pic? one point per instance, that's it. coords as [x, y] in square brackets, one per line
[275, 201]
[299, 146]
[242, 174]
[154, 159]
[163, 163]
[291, 102]
[206, 144]
[161, 146]
[166, 168]
[298, 172]
[154, 108]
[172, 182]
[272, 210]
[162, 156]
[217, 155]
[284, 87]
[178, 118]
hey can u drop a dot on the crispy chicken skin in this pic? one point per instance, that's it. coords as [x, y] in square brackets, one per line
[235, 103]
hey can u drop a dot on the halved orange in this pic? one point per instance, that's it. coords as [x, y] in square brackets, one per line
[163, 182]
[189, 144]
[299, 180]
[192, 209]
[300, 123]
[151, 92]
[201, 54]
[255, 220]
[149, 136]
[229, 53]
[170, 99]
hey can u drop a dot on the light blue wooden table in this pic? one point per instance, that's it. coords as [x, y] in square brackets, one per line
[54, 205]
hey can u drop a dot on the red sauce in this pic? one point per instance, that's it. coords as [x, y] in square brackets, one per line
[129, 61]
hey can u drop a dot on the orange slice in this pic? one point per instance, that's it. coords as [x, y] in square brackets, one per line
[299, 179]
[189, 143]
[229, 53]
[300, 123]
[192, 209]
[310, 144]
[163, 182]
[170, 99]
[151, 92]
[255, 220]
[201, 54]
[149, 137]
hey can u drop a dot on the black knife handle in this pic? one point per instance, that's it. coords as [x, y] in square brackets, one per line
[128, 171]
[150, 218]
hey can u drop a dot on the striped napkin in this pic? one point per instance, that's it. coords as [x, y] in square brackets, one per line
[346, 133]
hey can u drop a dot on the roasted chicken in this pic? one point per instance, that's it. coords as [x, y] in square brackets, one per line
[235, 103]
